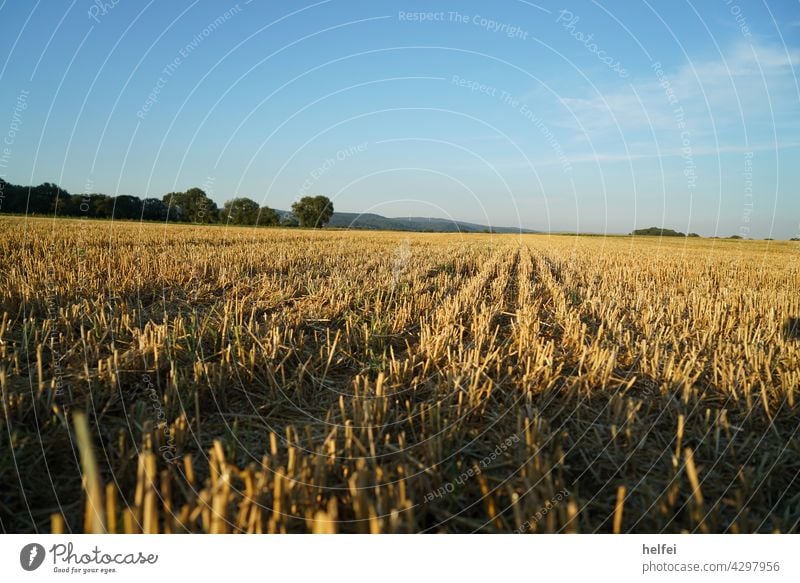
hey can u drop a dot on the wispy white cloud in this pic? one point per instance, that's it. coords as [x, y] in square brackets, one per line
[637, 152]
[676, 153]
[748, 83]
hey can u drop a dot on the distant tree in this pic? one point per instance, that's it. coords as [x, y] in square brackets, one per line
[127, 207]
[268, 217]
[244, 211]
[13, 197]
[290, 221]
[795, 239]
[62, 204]
[193, 206]
[71, 207]
[44, 199]
[154, 209]
[240, 211]
[313, 211]
[735, 237]
[100, 206]
[5, 187]
[692, 235]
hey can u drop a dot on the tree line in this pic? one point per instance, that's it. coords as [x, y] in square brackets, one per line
[659, 232]
[190, 206]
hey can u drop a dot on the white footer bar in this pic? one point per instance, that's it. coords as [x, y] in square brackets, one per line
[401, 558]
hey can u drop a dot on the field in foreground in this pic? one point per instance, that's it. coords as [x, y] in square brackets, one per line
[296, 381]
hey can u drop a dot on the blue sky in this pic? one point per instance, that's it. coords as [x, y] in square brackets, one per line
[587, 116]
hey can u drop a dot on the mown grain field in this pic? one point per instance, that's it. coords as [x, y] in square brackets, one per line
[201, 379]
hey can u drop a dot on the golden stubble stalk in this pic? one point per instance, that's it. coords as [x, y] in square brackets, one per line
[94, 515]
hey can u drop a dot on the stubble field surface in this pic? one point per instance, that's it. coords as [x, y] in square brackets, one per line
[202, 379]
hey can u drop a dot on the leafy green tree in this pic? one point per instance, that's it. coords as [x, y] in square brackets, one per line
[154, 209]
[43, 199]
[193, 206]
[268, 217]
[240, 211]
[244, 211]
[100, 206]
[62, 205]
[127, 207]
[313, 211]
[12, 197]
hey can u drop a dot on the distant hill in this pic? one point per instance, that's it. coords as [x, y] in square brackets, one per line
[375, 222]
